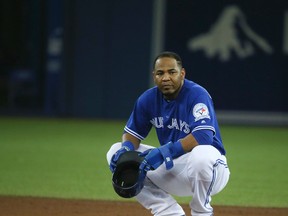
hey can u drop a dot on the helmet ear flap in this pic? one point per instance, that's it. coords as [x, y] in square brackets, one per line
[125, 179]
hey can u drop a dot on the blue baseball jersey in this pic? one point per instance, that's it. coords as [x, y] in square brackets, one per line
[192, 110]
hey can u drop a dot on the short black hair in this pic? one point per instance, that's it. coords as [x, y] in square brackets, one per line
[169, 54]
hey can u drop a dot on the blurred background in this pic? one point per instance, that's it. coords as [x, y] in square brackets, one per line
[92, 59]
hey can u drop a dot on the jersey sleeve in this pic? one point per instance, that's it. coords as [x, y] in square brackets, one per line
[138, 124]
[203, 114]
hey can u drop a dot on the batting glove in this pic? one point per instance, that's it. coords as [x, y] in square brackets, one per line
[157, 156]
[152, 160]
[126, 146]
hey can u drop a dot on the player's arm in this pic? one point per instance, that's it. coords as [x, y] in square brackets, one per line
[166, 153]
[126, 137]
[129, 143]
[188, 143]
[199, 137]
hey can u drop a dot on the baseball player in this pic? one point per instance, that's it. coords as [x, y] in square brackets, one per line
[190, 160]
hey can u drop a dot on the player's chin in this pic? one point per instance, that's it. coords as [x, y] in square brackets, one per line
[167, 89]
[168, 93]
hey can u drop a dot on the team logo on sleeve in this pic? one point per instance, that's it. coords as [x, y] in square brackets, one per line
[200, 111]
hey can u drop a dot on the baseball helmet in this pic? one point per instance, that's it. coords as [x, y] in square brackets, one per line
[125, 180]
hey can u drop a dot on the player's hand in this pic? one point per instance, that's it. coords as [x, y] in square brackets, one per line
[126, 146]
[155, 157]
[152, 160]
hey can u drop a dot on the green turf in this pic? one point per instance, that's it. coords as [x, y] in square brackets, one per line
[67, 159]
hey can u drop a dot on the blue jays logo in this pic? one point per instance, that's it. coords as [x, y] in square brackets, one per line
[200, 111]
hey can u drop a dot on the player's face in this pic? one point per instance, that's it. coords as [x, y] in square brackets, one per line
[168, 77]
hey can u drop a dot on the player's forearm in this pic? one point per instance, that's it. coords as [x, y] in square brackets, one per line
[199, 137]
[132, 139]
[188, 142]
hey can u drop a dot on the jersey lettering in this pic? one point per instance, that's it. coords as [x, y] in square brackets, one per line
[175, 124]
[184, 127]
[157, 122]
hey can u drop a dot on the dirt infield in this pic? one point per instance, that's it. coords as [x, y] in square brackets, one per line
[28, 206]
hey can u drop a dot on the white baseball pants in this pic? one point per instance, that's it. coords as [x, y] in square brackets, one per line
[200, 174]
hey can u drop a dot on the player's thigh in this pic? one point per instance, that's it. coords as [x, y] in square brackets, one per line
[174, 181]
[201, 161]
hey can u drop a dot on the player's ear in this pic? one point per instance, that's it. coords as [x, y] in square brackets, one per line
[183, 73]
[153, 75]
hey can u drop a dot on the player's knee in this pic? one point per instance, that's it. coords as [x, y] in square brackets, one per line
[200, 168]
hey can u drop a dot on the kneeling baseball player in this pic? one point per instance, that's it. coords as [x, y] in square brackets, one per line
[190, 160]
